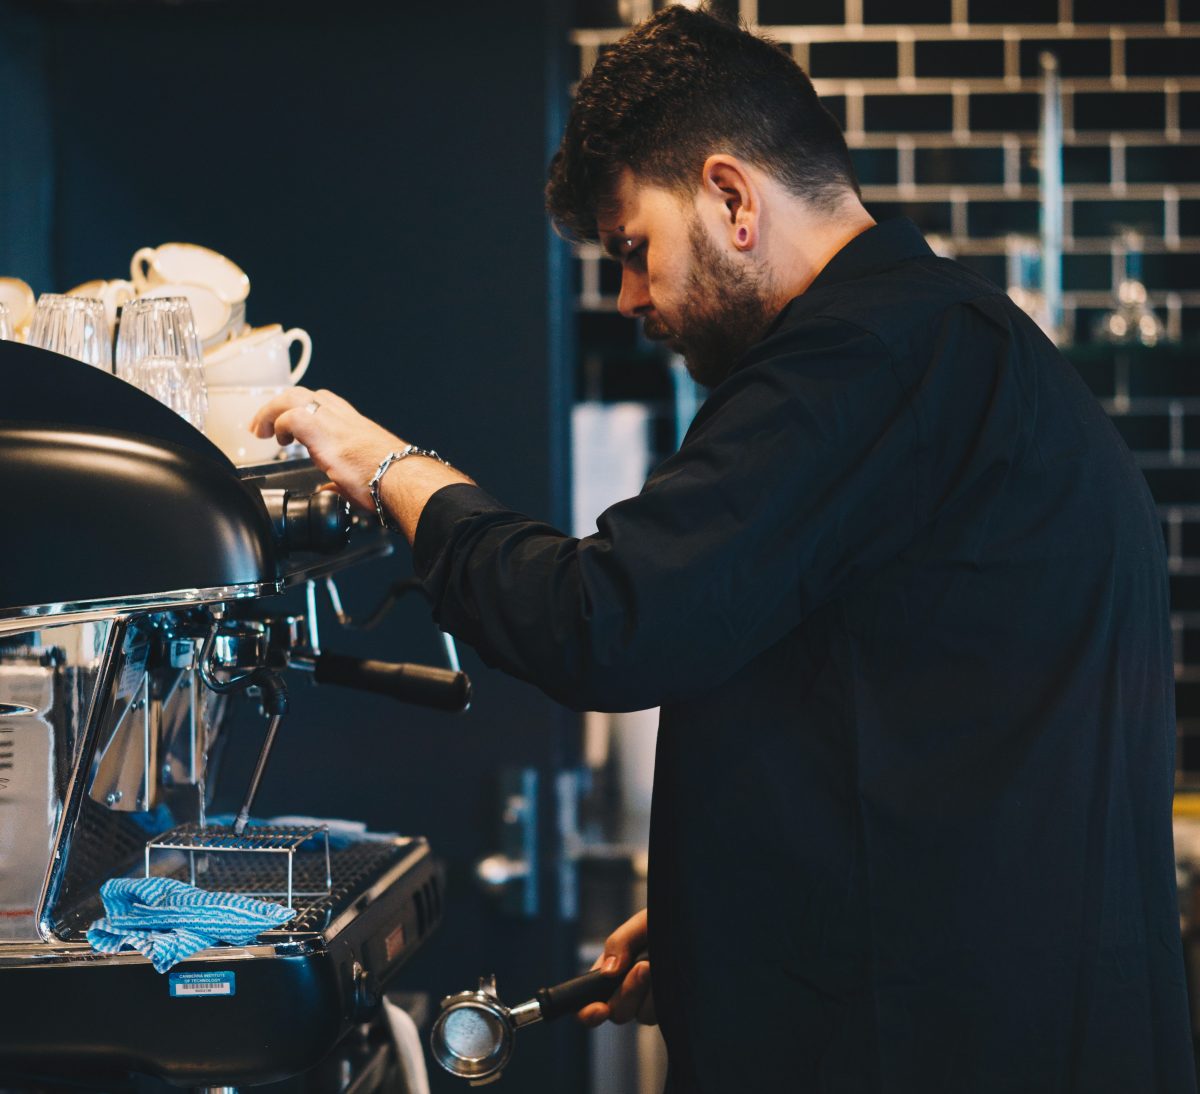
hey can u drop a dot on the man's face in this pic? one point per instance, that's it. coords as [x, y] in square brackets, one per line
[708, 305]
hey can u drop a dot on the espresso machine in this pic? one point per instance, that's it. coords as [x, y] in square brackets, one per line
[143, 589]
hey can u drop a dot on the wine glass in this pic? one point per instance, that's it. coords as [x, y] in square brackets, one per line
[74, 326]
[163, 327]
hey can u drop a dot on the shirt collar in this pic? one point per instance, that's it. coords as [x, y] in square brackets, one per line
[880, 246]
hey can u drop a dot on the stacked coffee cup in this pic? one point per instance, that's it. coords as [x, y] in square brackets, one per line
[243, 366]
[244, 373]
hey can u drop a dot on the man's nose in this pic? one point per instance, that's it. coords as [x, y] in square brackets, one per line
[634, 298]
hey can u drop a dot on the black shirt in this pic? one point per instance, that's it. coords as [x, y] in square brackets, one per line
[902, 598]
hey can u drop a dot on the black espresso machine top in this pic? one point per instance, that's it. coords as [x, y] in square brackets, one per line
[122, 497]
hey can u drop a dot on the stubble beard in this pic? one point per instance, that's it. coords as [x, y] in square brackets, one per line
[726, 310]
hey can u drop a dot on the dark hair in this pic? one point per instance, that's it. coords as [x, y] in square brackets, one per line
[677, 88]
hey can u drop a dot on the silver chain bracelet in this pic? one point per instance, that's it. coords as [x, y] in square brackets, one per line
[384, 464]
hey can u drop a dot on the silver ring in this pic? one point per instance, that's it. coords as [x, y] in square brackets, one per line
[312, 407]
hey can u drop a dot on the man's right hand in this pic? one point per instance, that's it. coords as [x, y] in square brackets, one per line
[634, 998]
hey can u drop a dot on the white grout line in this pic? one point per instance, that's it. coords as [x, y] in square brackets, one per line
[906, 60]
[587, 59]
[1117, 273]
[1121, 384]
[800, 54]
[589, 286]
[1012, 166]
[1171, 126]
[958, 212]
[1012, 58]
[961, 102]
[1065, 14]
[1171, 16]
[854, 19]
[1116, 56]
[929, 31]
[748, 10]
[958, 16]
[1097, 139]
[997, 191]
[1174, 317]
[1175, 418]
[906, 171]
[854, 111]
[829, 85]
[1116, 164]
[1171, 217]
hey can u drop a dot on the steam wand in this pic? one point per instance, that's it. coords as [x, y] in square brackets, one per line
[275, 705]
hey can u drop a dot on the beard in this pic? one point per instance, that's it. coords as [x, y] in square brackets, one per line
[726, 310]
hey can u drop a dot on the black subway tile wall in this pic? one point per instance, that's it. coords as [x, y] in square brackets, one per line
[941, 112]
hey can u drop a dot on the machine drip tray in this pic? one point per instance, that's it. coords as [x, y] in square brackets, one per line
[352, 870]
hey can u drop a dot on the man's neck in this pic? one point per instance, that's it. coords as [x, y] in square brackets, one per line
[808, 240]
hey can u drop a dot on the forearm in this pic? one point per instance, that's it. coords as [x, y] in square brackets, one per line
[407, 486]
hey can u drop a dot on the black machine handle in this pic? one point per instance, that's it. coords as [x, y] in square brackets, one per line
[421, 685]
[571, 995]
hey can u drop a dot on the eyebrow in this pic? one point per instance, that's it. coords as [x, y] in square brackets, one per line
[613, 245]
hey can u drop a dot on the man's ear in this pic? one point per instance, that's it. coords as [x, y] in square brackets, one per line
[733, 197]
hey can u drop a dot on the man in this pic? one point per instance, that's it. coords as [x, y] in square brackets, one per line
[901, 596]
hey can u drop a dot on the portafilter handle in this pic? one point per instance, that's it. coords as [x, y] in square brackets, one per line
[571, 995]
[421, 685]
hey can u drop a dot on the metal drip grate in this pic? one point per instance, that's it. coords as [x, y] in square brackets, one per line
[283, 843]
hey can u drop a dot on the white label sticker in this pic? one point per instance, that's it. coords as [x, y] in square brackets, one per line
[185, 984]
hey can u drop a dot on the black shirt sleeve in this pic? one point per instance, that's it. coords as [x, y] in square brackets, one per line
[796, 479]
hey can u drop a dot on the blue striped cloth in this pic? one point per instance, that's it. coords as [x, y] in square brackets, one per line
[169, 921]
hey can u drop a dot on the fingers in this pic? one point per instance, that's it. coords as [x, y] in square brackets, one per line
[263, 422]
[632, 999]
[594, 1014]
[631, 996]
[340, 441]
[625, 943]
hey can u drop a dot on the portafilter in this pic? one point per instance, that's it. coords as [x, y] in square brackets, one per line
[473, 1034]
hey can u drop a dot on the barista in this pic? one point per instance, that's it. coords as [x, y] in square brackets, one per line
[901, 597]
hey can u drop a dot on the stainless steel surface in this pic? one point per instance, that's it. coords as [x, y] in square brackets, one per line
[30, 617]
[240, 645]
[472, 1037]
[48, 683]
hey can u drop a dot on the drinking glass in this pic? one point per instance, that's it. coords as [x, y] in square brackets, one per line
[74, 326]
[6, 330]
[163, 327]
[162, 378]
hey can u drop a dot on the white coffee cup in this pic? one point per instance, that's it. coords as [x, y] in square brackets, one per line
[214, 318]
[114, 294]
[230, 411]
[18, 297]
[260, 358]
[189, 264]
